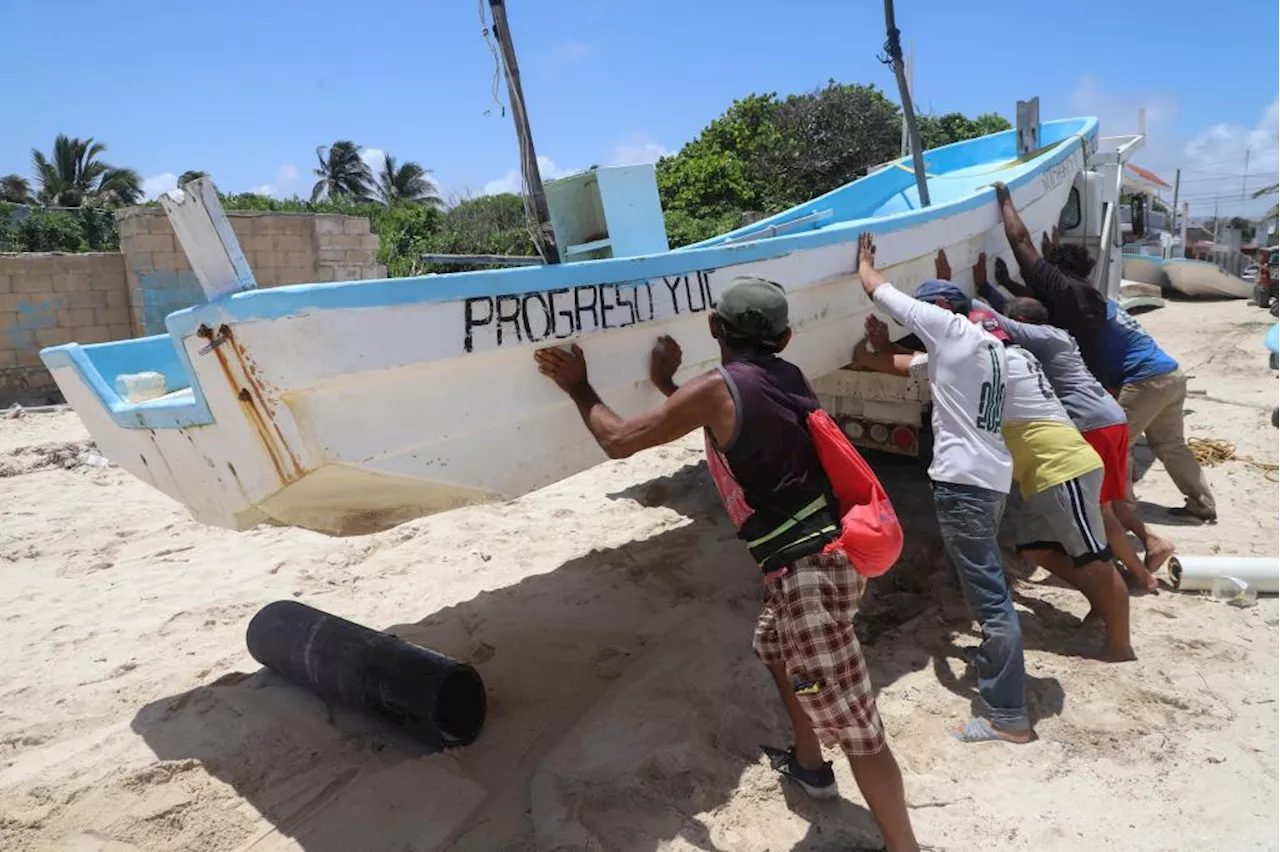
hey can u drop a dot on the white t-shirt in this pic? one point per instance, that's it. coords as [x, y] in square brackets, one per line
[1028, 393]
[967, 373]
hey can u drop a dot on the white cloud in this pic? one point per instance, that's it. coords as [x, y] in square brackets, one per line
[1212, 161]
[1117, 114]
[288, 182]
[157, 185]
[1214, 174]
[627, 154]
[633, 154]
[374, 158]
[510, 182]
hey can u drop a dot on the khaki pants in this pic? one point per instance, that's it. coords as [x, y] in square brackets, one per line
[1154, 408]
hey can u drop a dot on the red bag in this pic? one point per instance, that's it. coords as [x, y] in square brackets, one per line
[870, 532]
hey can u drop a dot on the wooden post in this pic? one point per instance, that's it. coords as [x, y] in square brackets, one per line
[894, 48]
[528, 158]
[1173, 211]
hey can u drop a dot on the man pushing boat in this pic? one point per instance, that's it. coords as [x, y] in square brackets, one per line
[754, 409]
[971, 472]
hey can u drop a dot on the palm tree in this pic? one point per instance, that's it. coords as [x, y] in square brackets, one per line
[74, 174]
[1272, 216]
[342, 173]
[190, 175]
[407, 184]
[119, 186]
[15, 190]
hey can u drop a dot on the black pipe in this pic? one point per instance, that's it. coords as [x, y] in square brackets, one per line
[432, 697]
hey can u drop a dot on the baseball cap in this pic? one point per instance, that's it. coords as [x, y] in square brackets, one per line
[937, 289]
[754, 307]
[990, 324]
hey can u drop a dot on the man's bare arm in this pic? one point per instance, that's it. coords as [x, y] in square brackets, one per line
[1024, 250]
[702, 402]
[889, 361]
[685, 410]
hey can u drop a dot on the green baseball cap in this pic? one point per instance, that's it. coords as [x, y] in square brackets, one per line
[754, 307]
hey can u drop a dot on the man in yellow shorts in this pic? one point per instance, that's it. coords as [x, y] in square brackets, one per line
[1059, 476]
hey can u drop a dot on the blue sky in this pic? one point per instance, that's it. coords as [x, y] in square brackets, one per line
[246, 90]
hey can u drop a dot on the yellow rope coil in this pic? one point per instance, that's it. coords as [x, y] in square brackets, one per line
[1211, 451]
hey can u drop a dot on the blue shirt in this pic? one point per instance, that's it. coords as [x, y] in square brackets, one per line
[1129, 353]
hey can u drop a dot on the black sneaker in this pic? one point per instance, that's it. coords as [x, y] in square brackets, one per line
[1195, 510]
[819, 783]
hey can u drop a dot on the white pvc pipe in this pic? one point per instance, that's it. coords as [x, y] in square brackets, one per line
[1197, 573]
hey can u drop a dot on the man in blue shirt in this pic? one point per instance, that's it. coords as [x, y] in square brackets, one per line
[1122, 356]
[1152, 389]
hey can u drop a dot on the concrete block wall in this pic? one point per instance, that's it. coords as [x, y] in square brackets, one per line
[346, 250]
[50, 299]
[281, 248]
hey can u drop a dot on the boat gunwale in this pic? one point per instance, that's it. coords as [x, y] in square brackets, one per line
[296, 300]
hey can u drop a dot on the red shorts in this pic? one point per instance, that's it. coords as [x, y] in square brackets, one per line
[1112, 443]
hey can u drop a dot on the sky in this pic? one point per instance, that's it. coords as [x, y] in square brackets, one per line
[246, 90]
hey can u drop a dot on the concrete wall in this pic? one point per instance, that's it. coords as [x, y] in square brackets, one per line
[282, 248]
[50, 299]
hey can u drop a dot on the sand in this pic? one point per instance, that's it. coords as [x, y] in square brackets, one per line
[610, 616]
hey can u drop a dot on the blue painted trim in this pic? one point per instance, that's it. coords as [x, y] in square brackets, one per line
[98, 365]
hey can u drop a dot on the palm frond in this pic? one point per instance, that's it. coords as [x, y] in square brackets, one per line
[15, 189]
[119, 186]
[409, 183]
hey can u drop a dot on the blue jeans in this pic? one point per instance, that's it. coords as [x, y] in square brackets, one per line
[969, 518]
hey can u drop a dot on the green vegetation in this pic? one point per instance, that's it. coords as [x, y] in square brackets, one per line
[88, 228]
[766, 153]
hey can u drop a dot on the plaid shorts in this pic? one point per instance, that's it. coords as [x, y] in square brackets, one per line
[807, 625]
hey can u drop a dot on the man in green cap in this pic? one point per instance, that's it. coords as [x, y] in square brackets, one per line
[754, 409]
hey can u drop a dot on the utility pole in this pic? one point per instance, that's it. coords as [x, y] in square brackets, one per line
[911, 89]
[1245, 179]
[893, 47]
[1173, 211]
[528, 158]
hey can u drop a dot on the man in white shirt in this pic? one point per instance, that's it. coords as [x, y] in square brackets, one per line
[971, 472]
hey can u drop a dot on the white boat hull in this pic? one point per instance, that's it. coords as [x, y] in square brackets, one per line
[352, 419]
[1145, 270]
[1138, 295]
[1202, 279]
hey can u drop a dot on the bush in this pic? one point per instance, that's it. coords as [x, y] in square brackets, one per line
[38, 229]
[52, 230]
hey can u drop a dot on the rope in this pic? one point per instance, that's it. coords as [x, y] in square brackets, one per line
[1212, 451]
[497, 62]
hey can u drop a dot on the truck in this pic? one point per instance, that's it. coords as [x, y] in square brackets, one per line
[891, 414]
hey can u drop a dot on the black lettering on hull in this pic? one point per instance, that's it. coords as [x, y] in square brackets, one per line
[514, 319]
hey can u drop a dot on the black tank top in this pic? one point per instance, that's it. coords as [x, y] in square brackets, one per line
[771, 454]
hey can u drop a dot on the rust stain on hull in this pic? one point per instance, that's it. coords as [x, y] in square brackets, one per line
[287, 466]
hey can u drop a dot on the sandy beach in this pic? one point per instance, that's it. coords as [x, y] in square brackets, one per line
[610, 616]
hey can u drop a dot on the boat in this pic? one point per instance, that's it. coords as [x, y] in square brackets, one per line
[1139, 295]
[351, 407]
[1200, 278]
[1145, 269]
